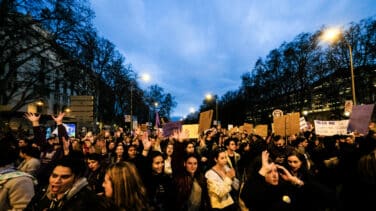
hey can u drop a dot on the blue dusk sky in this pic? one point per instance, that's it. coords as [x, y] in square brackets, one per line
[194, 47]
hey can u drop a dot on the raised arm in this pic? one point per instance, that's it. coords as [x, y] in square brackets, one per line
[146, 143]
[39, 137]
[62, 132]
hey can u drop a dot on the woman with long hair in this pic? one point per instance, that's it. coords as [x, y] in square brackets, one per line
[313, 195]
[123, 186]
[157, 183]
[120, 153]
[188, 180]
[220, 181]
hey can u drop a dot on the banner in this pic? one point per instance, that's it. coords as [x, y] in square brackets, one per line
[331, 128]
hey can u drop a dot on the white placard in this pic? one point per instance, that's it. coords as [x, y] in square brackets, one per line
[330, 128]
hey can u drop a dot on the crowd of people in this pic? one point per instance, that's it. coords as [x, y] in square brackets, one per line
[219, 170]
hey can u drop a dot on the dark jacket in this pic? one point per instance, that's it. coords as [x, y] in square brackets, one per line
[78, 198]
[160, 191]
[258, 195]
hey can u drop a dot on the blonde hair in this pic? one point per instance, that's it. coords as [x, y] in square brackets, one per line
[129, 192]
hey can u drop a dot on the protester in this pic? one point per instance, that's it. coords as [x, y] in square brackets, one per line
[157, 183]
[67, 189]
[124, 188]
[220, 181]
[29, 163]
[51, 150]
[313, 195]
[16, 187]
[189, 182]
[96, 172]
[168, 151]
[269, 186]
[278, 149]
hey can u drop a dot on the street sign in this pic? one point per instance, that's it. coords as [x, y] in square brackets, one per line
[82, 108]
[277, 113]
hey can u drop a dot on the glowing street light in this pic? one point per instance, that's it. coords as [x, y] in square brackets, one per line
[210, 97]
[144, 77]
[331, 35]
[39, 103]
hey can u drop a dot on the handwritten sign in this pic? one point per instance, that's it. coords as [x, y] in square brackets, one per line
[330, 128]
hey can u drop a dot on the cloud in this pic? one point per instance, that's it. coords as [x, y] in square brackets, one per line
[194, 47]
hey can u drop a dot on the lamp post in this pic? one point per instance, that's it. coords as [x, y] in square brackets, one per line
[156, 117]
[332, 34]
[144, 77]
[131, 123]
[210, 97]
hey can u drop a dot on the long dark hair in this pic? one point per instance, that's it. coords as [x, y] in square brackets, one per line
[304, 169]
[214, 155]
[183, 183]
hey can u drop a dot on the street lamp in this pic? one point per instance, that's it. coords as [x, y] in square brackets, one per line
[333, 34]
[156, 115]
[210, 97]
[144, 77]
[67, 110]
[39, 106]
[39, 103]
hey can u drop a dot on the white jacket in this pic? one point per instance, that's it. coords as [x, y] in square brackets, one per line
[219, 190]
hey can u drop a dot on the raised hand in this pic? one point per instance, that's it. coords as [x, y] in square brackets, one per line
[287, 176]
[284, 173]
[266, 166]
[145, 141]
[138, 131]
[184, 135]
[33, 118]
[175, 135]
[59, 118]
